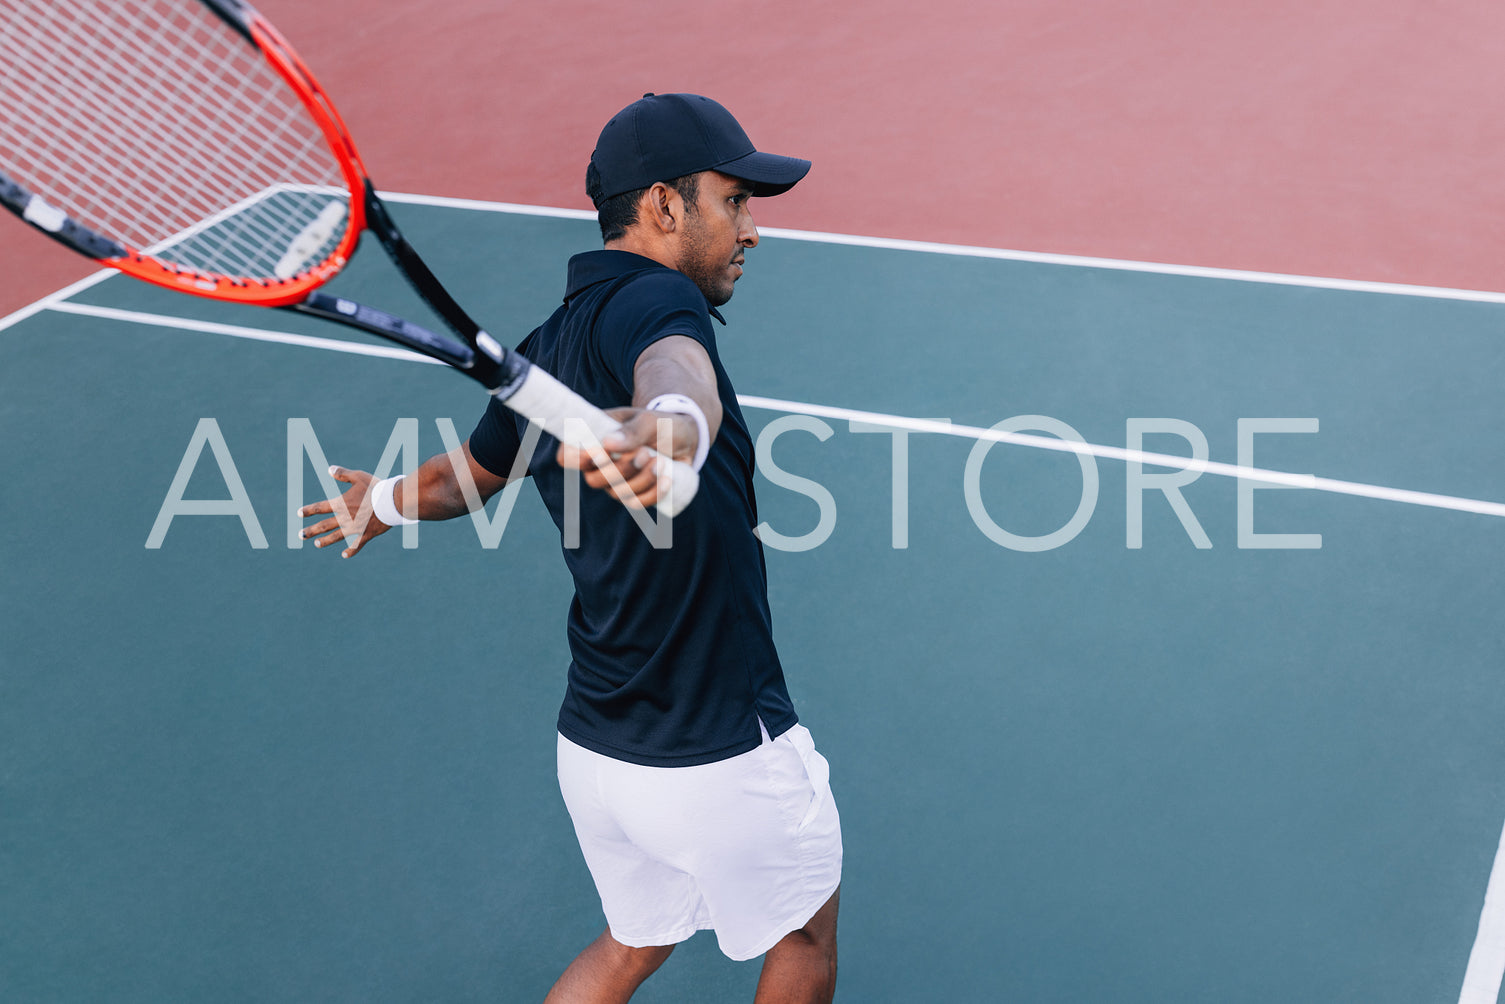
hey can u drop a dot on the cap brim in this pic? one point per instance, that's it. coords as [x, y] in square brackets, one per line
[769, 173]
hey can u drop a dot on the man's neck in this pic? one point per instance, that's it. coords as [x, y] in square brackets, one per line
[637, 244]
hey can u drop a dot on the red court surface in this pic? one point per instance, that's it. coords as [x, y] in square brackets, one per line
[1317, 137]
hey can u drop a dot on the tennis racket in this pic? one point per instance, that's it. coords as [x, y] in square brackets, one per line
[184, 143]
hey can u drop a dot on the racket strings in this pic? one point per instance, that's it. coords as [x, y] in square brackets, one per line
[114, 129]
[156, 124]
[234, 128]
[158, 132]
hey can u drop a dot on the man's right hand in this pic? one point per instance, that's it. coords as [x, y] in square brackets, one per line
[624, 463]
[350, 516]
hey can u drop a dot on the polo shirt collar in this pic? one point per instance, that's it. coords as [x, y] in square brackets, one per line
[590, 267]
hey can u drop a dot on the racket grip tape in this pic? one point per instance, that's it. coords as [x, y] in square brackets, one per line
[564, 415]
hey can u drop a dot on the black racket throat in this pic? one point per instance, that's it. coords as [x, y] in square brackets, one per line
[500, 374]
[423, 281]
[480, 356]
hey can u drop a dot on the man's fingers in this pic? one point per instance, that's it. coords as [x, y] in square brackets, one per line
[654, 481]
[333, 537]
[324, 506]
[625, 476]
[322, 527]
[649, 494]
[619, 469]
[344, 523]
[340, 527]
[587, 458]
[373, 529]
[637, 489]
[355, 547]
[631, 491]
[636, 479]
[593, 458]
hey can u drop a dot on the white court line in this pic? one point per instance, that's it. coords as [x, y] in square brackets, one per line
[54, 299]
[1283, 478]
[1002, 254]
[1486, 963]
[1287, 479]
[236, 331]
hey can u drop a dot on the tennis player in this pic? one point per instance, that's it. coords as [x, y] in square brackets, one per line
[698, 799]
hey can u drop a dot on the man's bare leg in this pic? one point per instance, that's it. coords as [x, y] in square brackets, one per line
[801, 968]
[607, 972]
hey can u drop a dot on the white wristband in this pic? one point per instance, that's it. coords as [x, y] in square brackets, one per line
[382, 505]
[679, 404]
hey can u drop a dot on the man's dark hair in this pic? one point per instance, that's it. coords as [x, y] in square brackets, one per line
[619, 212]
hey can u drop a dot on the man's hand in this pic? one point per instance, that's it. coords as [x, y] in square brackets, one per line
[350, 515]
[626, 465]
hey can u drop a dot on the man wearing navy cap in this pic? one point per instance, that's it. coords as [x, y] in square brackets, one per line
[699, 800]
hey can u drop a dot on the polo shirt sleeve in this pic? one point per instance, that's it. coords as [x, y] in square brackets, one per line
[494, 442]
[652, 307]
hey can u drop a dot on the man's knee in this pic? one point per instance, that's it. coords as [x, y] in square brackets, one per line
[822, 927]
[820, 930]
[802, 966]
[637, 960]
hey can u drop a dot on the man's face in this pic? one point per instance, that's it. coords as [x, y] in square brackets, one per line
[716, 233]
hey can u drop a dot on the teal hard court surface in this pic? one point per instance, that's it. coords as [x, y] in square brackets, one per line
[1084, 773]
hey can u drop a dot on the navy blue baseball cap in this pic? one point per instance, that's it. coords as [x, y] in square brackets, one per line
[661, 137]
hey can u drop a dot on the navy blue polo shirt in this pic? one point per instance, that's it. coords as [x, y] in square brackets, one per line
[673, 661]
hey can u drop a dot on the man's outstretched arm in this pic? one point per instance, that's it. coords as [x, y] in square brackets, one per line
[435, 491]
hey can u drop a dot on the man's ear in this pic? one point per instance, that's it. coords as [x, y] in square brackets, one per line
[663, 207]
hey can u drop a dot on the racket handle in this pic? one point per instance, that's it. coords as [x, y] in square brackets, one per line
[551, 404]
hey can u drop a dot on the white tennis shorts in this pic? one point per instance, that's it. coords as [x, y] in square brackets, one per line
[749, 847]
